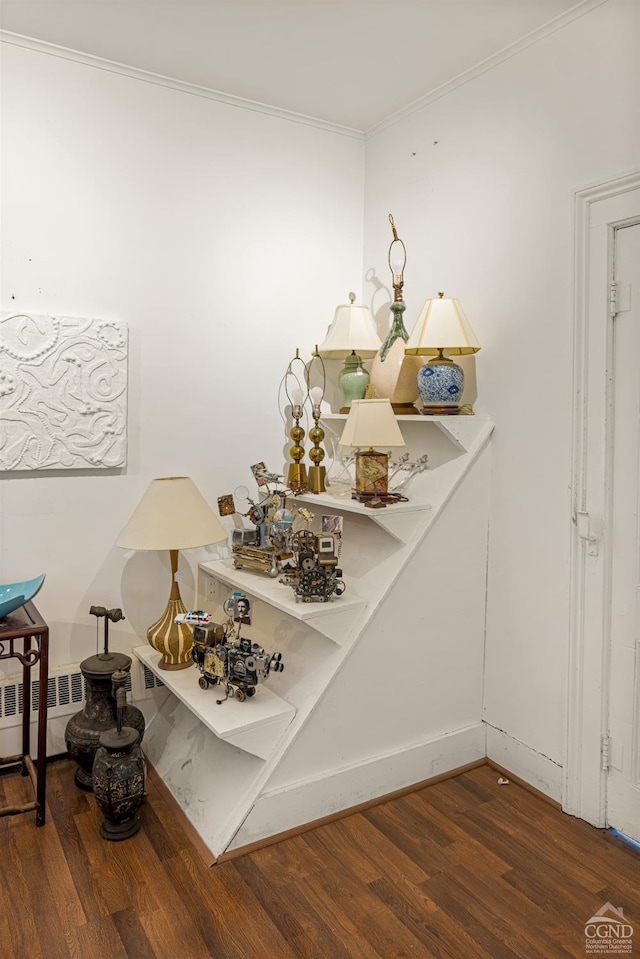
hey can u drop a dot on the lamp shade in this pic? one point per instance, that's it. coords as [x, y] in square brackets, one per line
[371, 423]
[172, 515]
[353, 329]
[441, 325]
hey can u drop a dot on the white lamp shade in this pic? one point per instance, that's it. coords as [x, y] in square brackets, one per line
[353, 328]
[172, 514]
[371, 423]
[441, 325]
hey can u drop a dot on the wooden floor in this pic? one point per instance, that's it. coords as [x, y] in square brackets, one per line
[463, 868]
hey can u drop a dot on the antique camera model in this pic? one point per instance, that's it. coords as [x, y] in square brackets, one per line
[316, 577]
[267, 547]
[226, 658]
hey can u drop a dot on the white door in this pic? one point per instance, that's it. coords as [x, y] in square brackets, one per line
[623, 781]
[602, 756]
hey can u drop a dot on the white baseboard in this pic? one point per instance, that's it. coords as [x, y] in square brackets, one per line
[303, 802]
[539, 771]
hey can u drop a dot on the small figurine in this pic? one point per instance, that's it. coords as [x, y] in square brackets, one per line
[315, 576]
[195, 617]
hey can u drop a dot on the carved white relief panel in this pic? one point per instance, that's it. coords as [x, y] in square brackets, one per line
[63, 393]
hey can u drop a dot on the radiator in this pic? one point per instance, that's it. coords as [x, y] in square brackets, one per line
[66, 691]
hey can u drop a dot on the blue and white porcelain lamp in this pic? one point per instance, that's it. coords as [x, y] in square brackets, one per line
[441, 326]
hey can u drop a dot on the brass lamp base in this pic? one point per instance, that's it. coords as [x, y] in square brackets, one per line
[316, 479]
[297, 477]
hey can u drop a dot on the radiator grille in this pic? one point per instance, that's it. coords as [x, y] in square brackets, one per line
[58, 694]
[67, 688]
[151, 681]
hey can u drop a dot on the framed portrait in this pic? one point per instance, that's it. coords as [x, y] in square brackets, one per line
[242, 610]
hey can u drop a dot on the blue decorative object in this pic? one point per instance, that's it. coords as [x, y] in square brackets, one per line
[441, 325]
[14, 595]
[440, 383]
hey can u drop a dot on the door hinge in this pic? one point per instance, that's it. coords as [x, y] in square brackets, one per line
[613, 298]
[586, 532]
[605, 752]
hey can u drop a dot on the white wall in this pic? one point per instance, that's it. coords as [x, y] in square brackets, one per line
[224, 238]
[415, 674]
[480, 183]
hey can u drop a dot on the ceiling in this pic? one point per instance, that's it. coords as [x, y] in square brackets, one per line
[350, 62]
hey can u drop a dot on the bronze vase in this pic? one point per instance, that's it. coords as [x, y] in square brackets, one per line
[98, 715]
[118, 782]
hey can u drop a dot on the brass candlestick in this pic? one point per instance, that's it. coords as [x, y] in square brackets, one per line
[317, 472]
[297, 474]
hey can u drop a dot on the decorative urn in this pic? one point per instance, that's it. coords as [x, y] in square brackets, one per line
[118, 774]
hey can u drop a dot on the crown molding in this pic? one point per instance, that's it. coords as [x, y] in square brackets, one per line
[110, 66]
[512, 50]
[99, 63]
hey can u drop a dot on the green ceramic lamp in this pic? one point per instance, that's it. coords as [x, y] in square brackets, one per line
[351, 337]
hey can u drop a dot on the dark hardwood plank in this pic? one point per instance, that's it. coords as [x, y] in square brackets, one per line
[97, 938]
[379, 926]
[443, 932]
[462, 869]
[132, 934]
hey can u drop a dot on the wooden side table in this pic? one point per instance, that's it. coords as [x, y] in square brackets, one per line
[27, 624]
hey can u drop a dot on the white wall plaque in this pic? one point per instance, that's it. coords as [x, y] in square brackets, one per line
[63, 393]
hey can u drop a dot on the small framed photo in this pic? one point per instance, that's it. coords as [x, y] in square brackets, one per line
[258, 469]
[242, 610]
[226, 505]
[331, 524]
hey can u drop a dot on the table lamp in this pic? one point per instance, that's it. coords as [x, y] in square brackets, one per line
[393, 373]
[172, 515]
[441, 325]
[351, 337]
[371, 423]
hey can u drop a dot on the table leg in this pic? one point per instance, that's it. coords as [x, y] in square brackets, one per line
[26, 706]
[43, 697]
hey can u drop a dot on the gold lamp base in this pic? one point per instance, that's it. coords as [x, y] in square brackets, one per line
[316, 479]
[297, 477]
[172, 640]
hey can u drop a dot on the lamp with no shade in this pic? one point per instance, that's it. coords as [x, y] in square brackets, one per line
[172, 515]
[393, 373]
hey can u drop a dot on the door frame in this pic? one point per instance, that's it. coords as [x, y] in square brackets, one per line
[585, 768]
